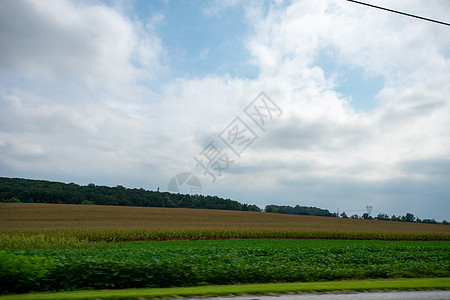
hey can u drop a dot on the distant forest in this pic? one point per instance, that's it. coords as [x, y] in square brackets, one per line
[41, 191]
[299, 210]
[18, 190]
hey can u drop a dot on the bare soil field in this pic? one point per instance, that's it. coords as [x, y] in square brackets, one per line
[30, 216]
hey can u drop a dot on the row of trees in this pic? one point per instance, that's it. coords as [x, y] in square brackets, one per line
[41, 191]
[298, 210]
[314, 211]
[409, 217]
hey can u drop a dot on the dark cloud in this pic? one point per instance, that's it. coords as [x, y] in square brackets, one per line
[412, 111]
[325, 134]
[432, 167]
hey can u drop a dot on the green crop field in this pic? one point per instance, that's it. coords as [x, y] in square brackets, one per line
[192, 263]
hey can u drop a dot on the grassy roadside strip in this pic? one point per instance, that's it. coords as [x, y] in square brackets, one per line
[257, 289]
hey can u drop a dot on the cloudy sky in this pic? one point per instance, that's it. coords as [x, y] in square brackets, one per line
[356, 109]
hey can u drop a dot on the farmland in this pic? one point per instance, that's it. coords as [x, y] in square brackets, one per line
[27, 216]
[190, 263]
[48, 247]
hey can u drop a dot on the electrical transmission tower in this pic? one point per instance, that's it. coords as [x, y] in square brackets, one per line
[369, 209]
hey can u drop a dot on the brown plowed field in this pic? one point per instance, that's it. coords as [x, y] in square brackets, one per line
[27, 216]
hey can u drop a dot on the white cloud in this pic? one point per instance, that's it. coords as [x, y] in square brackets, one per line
[91, 44]
[72, 84]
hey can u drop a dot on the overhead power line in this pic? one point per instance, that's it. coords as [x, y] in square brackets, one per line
[399, 12]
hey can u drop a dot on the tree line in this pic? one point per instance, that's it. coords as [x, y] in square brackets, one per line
[314, 211]
[408, 217]
[298, 210]
[42, 191]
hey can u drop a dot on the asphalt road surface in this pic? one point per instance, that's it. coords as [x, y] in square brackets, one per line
[411, 295]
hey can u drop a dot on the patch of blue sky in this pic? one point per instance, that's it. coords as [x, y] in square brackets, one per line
[351, 82]
[198, 44]
[447, 52]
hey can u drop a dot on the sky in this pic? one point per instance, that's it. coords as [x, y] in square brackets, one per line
[320, 103]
